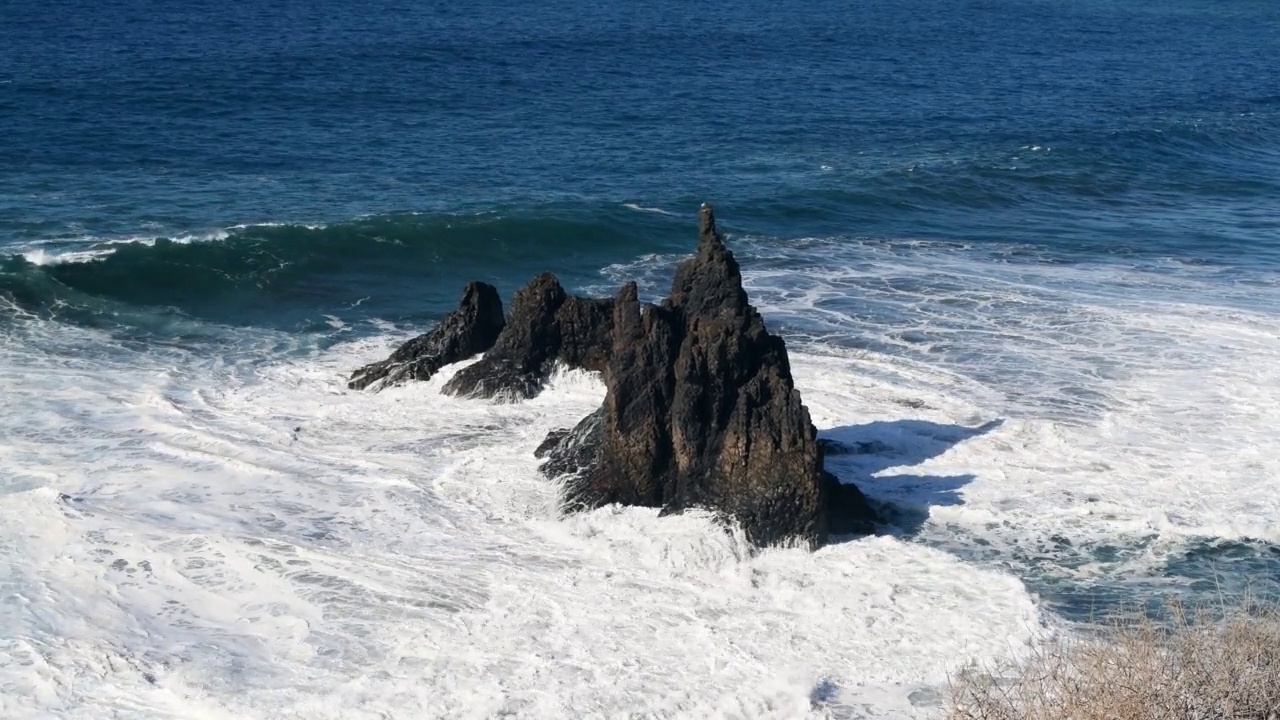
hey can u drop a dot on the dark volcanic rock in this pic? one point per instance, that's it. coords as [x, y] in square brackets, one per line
[527, 344]
[573, 450]
[701, 410]
[470, 330]
[546, 326]
[586, 333]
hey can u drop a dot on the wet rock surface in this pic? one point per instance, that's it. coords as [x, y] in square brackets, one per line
[546, 326]
[468, 331]
[701, 411]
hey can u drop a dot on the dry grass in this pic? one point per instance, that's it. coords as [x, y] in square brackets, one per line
[1197, 666]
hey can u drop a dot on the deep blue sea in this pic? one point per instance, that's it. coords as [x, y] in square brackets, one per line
[1026, 252]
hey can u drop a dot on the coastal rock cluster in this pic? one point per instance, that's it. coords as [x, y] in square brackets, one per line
[546, 326]
[468, 331]
[700, 408]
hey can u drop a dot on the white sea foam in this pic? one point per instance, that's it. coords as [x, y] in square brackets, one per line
[45, 256]
[254, 540]
[271, 223]
[641, 208]
[1135, 405]
[247, 538]
[87, 247]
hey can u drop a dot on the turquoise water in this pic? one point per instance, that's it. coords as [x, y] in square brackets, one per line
[1056, 221]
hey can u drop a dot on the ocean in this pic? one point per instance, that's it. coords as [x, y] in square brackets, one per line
[1024, 256]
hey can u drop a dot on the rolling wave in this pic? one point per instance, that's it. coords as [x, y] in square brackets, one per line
[399, 266]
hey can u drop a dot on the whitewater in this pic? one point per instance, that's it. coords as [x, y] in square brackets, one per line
[220, 529]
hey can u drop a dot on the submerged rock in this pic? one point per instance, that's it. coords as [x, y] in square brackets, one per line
[546, 326]
[470, 330]
[701, 410]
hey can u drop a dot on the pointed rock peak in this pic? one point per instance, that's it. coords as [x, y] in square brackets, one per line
[628, 293]
[710, 280]
[546, 326]
[707, 232]
[471, 329]
[483, 295]
[701, 410]
[544, 286]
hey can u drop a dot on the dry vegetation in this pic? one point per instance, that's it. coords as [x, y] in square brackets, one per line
[1196, 666]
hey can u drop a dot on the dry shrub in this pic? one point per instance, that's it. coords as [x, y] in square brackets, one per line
[1198, 665]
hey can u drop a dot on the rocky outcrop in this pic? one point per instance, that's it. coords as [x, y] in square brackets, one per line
[572, 450]
[470, 330]
[546, 326]
[701, 411]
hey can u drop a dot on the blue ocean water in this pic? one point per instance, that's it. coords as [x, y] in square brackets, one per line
[1094, 128]
[1061, 219]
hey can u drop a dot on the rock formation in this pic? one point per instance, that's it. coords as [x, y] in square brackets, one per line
[470, 330]
[701, 411]
[546, 326]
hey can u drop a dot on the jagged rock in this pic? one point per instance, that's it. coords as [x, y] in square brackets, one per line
[573, 450]
[551, 442]
[546, 326]
[586, 333]
[470, 330]
[701, 410]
